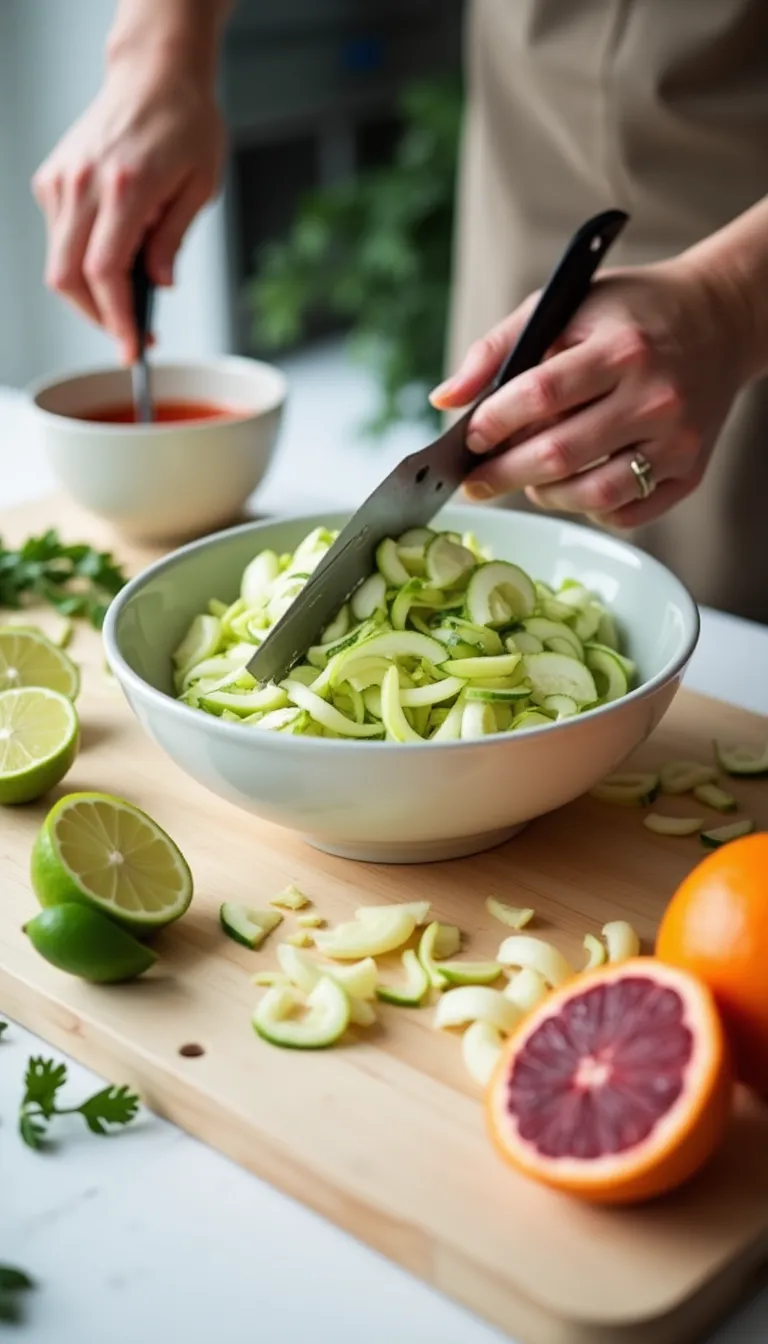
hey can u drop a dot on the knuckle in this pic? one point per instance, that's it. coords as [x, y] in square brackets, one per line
[603, 494]
[98, 268]
[543, 393]
[47, 184]
[81, 180]
[663, 401]
[118, 178]
[58, 280]
[489, 422]
[555, 457]
[630, 348]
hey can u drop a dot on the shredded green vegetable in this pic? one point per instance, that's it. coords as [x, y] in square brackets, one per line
[442, 642]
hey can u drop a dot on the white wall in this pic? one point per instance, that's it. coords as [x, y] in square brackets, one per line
[51, 60]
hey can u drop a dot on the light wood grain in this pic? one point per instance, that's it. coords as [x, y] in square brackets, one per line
[385, 1135]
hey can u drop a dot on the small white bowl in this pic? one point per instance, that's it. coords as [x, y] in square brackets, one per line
[165, 482]
[404, 803]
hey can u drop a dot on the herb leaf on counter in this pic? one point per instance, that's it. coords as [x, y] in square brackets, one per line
[12, 1282]
[43, 1081]
[75, 579]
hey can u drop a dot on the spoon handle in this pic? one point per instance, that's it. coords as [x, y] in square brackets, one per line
[143, 291]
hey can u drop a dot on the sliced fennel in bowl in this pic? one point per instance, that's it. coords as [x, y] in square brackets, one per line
[441, 643]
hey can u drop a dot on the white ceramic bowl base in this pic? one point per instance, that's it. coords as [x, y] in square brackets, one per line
[166, 482]
[411, 803]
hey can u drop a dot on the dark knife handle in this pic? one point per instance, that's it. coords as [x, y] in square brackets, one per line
[563, 295]
[143, 293]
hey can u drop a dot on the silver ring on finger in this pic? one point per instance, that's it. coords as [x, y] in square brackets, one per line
[643, 473]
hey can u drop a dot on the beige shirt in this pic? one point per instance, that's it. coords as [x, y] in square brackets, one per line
[659, 107]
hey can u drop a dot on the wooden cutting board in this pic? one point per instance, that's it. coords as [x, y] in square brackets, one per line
[385, 1134]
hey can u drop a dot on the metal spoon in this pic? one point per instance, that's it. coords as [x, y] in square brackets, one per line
[143, 291]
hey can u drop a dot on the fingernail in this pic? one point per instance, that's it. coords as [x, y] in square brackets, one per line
[475, 442]
[442, 390]
[478, 490]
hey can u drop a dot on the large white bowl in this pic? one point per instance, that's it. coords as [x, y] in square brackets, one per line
[386, 802]
[164, 482]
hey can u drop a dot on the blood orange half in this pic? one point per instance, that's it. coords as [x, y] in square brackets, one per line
[617, 1087]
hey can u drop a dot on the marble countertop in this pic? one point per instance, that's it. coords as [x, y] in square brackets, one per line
[151, 1236]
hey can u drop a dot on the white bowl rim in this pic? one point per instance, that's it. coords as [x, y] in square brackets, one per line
[216, 364]
[186, 714]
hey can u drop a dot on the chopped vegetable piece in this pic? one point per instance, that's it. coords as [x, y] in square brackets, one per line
[326, 1016]
[361, 1013]
[368, 937]
[597, 953]
[291, 899]
[473, 1003]
[722, 835]
[683, 776]
[527, 988]
[416, 987]
[302, 938]
[744, 760]
[713, 796]
[623, 943]
[437, 942]
[481, 1047]
[310, 921]
[662, 825]
[515, 917]
[246, 925]
[628, 790]
[419, 910]
[469, 972]
[523, 951]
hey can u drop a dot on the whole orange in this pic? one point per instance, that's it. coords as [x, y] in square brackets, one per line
[716, 926]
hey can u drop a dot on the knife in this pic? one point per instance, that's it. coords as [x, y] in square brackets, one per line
[423, 482]
[143, 293]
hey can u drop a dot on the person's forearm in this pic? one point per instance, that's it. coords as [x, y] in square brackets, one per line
[733, 265]
[167, 32]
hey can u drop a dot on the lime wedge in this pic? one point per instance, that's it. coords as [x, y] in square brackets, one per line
[82, 942]
[27, 658]
[39, 736]
[100, 851]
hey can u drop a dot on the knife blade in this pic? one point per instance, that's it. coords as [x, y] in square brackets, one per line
[423, 482]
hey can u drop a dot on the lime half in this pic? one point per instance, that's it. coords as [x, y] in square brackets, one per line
[39, 736]
[27, 658]
[77, 939]
[101, 851]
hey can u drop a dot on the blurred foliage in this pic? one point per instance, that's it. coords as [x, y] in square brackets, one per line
[376, 252]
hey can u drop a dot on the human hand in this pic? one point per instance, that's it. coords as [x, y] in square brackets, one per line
[138, 165]
[650, 365]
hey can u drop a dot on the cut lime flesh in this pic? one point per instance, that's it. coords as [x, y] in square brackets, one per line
[101, 851]
[28, 658]
[39, 737]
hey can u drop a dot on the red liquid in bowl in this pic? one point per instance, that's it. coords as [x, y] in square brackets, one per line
[165, 412]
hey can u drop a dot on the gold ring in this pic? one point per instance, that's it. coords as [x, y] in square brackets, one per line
[643, 473]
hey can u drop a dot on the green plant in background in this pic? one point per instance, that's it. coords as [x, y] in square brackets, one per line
[376, 252]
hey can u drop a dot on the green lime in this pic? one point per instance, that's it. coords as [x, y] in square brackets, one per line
[79, 940]
[101, 851]
[28, 658]
[39, 737]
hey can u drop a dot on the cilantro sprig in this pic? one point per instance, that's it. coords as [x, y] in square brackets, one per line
[76, 579]
[44, 1080]
[12, 1282]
